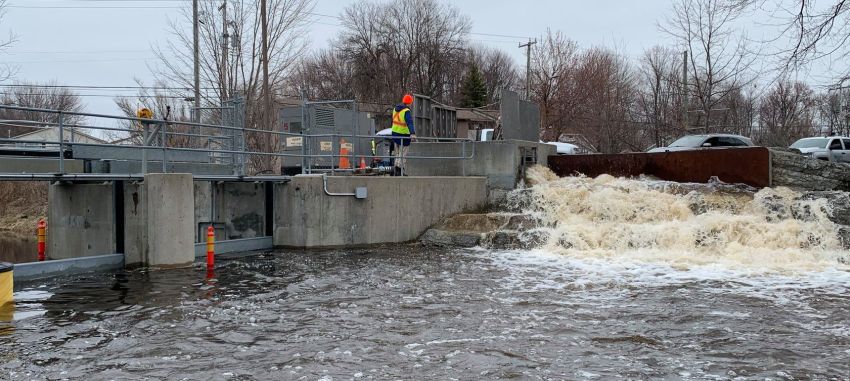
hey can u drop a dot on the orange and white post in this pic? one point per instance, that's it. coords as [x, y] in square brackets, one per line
[210, 248]
[40, 233]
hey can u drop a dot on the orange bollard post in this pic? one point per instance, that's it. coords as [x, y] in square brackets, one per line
[210, 247]
[344, 162]
[41, 240]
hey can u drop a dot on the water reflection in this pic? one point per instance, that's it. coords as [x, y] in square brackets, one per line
[17, 248]
[402, 313]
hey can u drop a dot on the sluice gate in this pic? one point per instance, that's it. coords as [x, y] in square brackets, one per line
[751, 166]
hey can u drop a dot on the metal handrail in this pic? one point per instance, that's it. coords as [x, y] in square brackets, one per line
[160, 127]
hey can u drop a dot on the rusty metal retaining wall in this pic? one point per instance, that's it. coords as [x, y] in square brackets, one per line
[749, 166]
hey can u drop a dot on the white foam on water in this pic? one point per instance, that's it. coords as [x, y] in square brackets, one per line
[540, 268]
[632, 225]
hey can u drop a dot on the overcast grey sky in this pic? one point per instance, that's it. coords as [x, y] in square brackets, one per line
[108, 42]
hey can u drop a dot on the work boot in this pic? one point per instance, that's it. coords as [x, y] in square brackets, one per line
[396, 171]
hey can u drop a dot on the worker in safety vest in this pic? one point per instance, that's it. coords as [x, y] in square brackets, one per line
[402, 131]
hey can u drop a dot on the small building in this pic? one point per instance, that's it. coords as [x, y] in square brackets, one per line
[51, 134]
[470, 121]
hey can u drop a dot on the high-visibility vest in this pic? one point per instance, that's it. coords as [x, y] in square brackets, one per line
[399, 124]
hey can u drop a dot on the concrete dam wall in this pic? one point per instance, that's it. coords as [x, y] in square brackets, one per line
[158, 221]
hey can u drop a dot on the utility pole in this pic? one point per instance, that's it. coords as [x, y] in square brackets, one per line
[685, 91]
[528, 67]
[224, 53]
[267, 104]
[196, 40]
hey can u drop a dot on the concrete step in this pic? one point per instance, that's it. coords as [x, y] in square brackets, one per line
[483, 223]
[490, 230]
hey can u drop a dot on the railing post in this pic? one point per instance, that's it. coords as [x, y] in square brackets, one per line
[61, 144]
[211, 157]
[144, 148]
[335, 145]
[234, 158]
[463, 161]
[164, 148]
[303, 137]
[242, 148]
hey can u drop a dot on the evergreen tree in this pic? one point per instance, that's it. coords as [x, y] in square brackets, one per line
[473, 91]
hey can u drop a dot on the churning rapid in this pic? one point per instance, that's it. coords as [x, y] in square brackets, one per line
[615, 278]
[685, 225]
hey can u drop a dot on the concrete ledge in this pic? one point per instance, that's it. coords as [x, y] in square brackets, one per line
[38, 165]
[499, 161]
[63, 267]
[397, 209]
[134, 153]
[235, 246]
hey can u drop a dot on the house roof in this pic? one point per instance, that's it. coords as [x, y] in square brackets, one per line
[478, 115]
[42, 129]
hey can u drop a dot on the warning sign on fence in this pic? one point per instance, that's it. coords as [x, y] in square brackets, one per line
[294, 141]
[326, 146]
[347, 146]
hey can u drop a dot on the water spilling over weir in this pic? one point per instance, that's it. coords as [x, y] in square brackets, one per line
[683, 224]
[572, 278]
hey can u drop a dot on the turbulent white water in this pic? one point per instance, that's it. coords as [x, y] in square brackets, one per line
[617, 219]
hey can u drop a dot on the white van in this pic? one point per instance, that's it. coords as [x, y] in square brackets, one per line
[565, 148]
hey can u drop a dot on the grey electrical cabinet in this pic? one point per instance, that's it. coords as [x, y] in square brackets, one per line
[338, 129]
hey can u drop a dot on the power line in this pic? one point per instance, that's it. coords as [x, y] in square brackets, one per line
[89, 7]
[74, 51]
[82, 87]
[80, 61]
[96, 95]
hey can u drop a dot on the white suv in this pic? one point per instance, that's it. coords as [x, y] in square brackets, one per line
[830, 148]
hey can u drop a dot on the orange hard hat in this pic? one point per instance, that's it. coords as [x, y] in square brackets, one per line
[407, 99]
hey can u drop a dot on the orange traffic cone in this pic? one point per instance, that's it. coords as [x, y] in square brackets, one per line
[344, 163]
[362, 162]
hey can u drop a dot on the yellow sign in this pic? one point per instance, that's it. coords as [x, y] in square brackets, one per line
[326, 146]
[144, 113]
[295, 141]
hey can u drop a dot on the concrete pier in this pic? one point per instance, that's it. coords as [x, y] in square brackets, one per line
[397, 209]
[170, 220]
[81, 220]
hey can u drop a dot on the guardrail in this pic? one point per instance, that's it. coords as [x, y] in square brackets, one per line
[222, 144]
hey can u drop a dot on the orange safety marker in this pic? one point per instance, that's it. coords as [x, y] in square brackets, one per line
[210, 247]
[362, 162]
[41, 240]
[343, 155]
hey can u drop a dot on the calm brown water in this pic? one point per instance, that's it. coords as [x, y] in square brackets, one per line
[414, 313]
[17, 249]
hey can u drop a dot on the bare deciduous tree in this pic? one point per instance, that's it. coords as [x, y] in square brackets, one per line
[161, 101]
[326, 75]
[497, 68]
[814, 30]
[287, 20]
[403, 46]
[831, 119]
[786, 113]
[6, 70]
[660, 95]
[607, 93]
[32, 95]
[553, 83]
[720, 60]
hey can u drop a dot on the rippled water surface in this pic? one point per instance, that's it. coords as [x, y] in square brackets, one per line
[412, 313]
